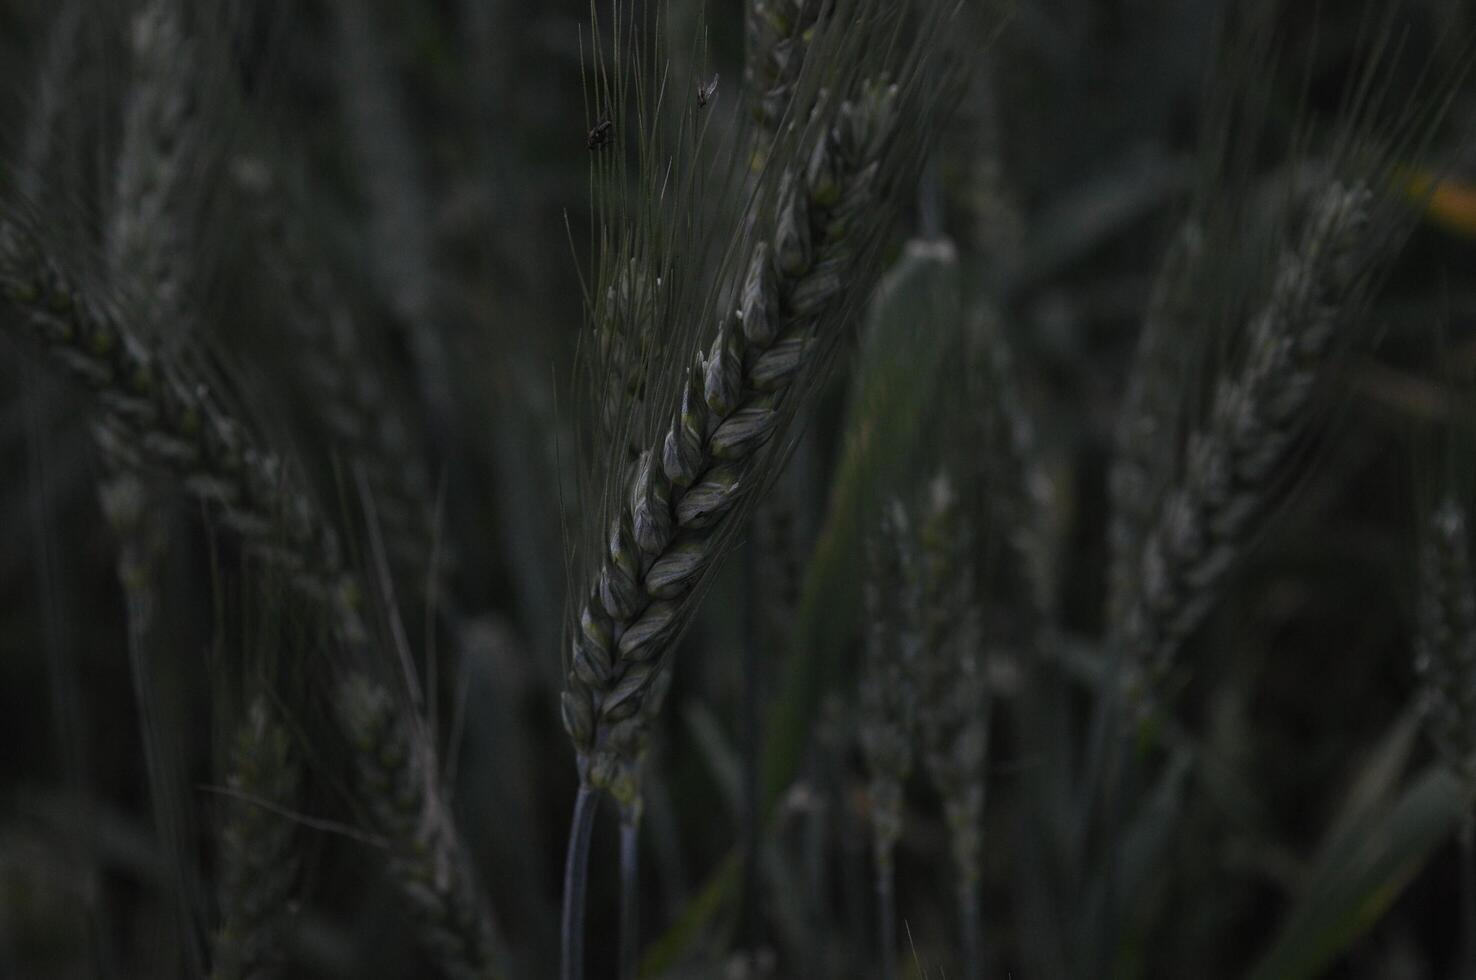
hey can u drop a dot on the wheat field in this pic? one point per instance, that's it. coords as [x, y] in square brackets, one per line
[886, 489]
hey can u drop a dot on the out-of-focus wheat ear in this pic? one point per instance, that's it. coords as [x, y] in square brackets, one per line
[889, 703]
[260, 857]
[148, 242]
[777, 34]
[953, 704]
[142, 543]
[159, 413]
[354, 403]
[1445, 637]
[390, 161]
[1148, 421]
[1022, 496]
[46, 163]
[1258, 416]
[397, 786]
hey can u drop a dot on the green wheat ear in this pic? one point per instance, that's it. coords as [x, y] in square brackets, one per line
[397, 785]
[260, 853]
[1445, 638]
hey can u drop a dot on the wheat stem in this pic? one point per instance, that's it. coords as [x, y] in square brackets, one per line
[1466, 840]
[576, 881]
[886, 911]
[630, 885]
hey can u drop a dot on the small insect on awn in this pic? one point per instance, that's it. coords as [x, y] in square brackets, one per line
[706, 93]
[600, 136]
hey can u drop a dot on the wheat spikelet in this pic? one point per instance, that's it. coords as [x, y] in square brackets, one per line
[675, 516]
[1445, 639]
[259, 856]
[397, 785]
[887, 719]
[623, 336]
[1257, 415]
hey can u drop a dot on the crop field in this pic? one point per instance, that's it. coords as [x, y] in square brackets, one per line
[750, 490]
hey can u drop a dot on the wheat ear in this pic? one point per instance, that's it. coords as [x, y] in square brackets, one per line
[352, 399]
[1445, 639]
[398, 786]
[889, 703]
[259, 855]
[1147, 422]
[1257, 417]
[1445, 664]
[953, 719]
[160, 414]
[669, 527]
[147, 236]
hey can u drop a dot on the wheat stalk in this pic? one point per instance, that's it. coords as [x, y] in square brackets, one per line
[259, 857]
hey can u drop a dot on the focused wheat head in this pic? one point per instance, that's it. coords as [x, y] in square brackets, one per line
[717, 425]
